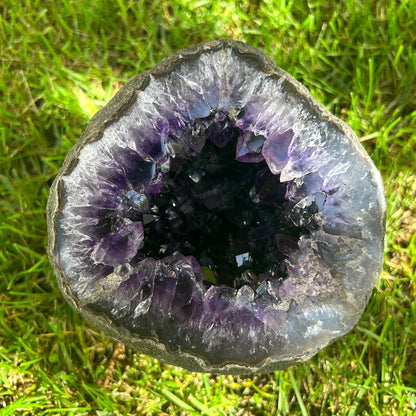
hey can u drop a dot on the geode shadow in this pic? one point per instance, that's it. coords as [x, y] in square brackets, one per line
[217, 217]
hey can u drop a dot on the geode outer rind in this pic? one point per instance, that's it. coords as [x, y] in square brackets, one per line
[162, 307]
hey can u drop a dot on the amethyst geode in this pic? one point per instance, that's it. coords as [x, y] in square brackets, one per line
[217, 217]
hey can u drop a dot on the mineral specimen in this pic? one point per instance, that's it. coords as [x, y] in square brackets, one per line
[217, 217]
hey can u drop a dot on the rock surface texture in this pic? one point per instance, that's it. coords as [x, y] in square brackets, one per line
[217, 217]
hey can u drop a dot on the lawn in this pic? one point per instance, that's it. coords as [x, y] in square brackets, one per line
[61, 61]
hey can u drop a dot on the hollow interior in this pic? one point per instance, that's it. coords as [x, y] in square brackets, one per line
[230, 215]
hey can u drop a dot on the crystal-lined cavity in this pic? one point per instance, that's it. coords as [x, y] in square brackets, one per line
[216, 216]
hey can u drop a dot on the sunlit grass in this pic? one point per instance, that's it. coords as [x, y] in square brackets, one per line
[61, 61]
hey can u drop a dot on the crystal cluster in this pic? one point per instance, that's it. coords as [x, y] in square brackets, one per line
[215, 216]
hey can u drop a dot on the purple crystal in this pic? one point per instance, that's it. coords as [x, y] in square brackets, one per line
[215, 216]
[121, 246]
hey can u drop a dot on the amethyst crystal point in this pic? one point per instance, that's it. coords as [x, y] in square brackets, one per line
[216, 216]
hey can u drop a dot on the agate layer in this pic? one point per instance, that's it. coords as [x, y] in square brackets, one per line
[217, 217]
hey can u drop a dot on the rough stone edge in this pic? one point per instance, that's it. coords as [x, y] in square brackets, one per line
[190, 361]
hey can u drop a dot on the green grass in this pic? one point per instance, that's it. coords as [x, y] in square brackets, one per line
[61, 62]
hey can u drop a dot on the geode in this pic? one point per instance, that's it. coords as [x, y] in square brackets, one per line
[217, 217]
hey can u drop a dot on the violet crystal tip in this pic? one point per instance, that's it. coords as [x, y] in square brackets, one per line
[215, 216]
